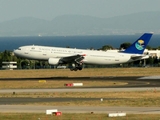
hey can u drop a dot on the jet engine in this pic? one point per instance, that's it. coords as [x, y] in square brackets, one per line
[53, 61]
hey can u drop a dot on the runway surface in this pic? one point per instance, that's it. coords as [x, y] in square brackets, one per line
[133, 81]
[142, 83]
[79, 90]
[78, 109]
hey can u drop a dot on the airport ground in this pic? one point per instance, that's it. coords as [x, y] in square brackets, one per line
[122, 89]
[88, 72]
[75, 116]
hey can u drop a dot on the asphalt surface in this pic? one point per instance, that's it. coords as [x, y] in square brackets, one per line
[79, 90]
[78, 109]
[10, 101]
[138, 81]
[142, 83]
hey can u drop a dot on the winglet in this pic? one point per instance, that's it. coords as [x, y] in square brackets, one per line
[139, 45]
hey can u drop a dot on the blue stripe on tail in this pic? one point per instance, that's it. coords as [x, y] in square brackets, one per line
[139, 46]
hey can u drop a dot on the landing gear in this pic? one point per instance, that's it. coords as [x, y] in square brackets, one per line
[73, 69]
[76, 67]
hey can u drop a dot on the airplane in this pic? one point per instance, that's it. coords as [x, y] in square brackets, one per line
[77, 57]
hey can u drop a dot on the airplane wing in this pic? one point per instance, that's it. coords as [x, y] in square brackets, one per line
[75, 58]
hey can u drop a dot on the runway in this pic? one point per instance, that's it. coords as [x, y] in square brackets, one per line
[134, 84]
[78, 109]
[132, 81]
[79, 90]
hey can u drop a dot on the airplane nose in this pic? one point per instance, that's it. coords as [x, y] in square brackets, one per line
[15, 52]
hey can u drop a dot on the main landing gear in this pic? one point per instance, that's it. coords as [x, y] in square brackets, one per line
[76, 67]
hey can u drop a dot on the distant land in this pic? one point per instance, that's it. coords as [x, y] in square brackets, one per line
[73, 25]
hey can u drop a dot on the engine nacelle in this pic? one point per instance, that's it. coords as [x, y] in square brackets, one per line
[53, 61]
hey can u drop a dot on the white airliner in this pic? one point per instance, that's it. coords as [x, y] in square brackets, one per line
[78, 57]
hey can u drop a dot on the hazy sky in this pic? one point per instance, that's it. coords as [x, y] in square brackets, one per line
[49, 9]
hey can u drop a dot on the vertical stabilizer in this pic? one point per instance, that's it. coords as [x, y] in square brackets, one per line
[139, 45]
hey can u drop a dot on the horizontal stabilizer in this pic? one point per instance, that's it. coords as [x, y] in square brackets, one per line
[139, 57]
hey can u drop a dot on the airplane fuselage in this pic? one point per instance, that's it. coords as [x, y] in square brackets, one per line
[90, 56]
[78, 57]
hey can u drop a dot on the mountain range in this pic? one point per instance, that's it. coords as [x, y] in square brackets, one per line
[71, 25]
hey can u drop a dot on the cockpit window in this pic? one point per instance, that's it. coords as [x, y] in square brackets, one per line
[19, 48]
[33, 48]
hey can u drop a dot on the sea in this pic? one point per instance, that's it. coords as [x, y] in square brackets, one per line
[79, 42]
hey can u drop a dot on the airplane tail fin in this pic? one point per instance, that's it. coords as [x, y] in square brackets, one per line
[139, 45]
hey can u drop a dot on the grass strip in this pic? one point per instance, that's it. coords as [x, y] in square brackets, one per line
[84, 73]
[29, 84]
[81, 116]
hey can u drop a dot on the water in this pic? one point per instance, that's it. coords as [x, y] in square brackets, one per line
[82, 42]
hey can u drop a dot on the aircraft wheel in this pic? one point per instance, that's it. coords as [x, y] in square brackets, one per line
[80, 68]
[75, 69]
[71, 69]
